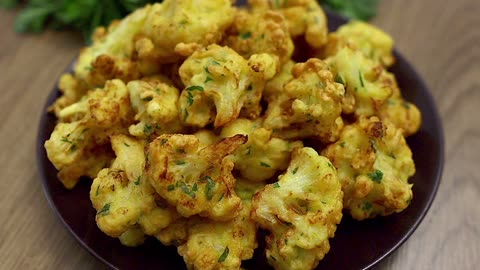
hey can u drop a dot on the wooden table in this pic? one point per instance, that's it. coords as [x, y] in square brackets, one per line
[440, 38]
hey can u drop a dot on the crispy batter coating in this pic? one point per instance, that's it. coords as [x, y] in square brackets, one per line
[309, 105]
[403, 114]
[123, 197]
[275, 86]
[366, 81]
[220, 83]
[178, 27]
[374, 163]
[72, 90]
[263, 155]
[195, 180]
[155, 104]
[110, 55]
[264, 31]
[304, 18]
[301, 211]
[370, 40]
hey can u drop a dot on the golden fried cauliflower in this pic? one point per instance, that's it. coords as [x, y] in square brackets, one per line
[73, 151]
[374, 163]
[206, 137]
[263, 155]
[123, 197]
[220, 83]
[275, 86]
[195, 180]
[309, 106]
[155, 104]
[301, 211]
[177, 27]
[370, 40]
[110, 55]
[72, 90]
[260, 32]
[367, 81]
[304, 18]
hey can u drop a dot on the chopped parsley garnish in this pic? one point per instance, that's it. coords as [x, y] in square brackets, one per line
[221, 197]
[186, 115]
[105, 210]
[186, 189]
[249, 151]
[195, 88]
[96, 192]
[206, 69]
[147, 129]
[342, 144]
[126, 144]
[65, 139]
[376, 176]
[406, 105]
[266, 165]
[138, 180]
[189, 98]
[339, 79]
[360, 77]
[367, 206]
[163, 141]
[195, 187]
[208, 79]
[246, 35]
[295, 170]
[170, 187]
[180, 162]
[147, 98]
[330, 165]
[210, 186]
[224, 255]
[276, 185]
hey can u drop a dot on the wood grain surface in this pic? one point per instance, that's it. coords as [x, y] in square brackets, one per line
[441, 39]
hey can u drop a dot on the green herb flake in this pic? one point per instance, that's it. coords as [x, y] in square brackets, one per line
[190, 98]
[170, 187]
[295, 170]
[195, 88]
[180, 162]
[73, 147]
[221, 197]
[360, 77]
[147, 129]
[406, 105]
[210, 187]
[97, 192]
[138, 180]
[273, 258]
[224, 255]
[186, 189]
[249, 151]
[276, 185]
[163, 141]
[376, 176]
[339, 79]
[250, 87]
[330, 165]
[266, 165]
[126, 144]
[367, 206]
[105, 210]
[208, 79]
[66, 140]
[186, 115]
[195, 187]
[246, 35]
[147, 98]
[206, 69]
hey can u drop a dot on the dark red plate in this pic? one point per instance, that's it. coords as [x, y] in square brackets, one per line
[357, 245]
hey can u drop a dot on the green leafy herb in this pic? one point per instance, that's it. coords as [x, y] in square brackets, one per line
[221, 197]
[126, 144]
[224, 255]
[355, 9]
[339, 79]
[105, 210]
[376, 176]
[96, 192]
[66, 140]
[147, 129]
[195, 187]
[195, 88]
[186, 189]
[186, 115]
[406, 105]
[149, 98]
[138, 180]
[190, 98]
[295, 170]
[266, 165]
[206, 69]
[342, 144]
[367, 206]
[170, 187]
[246, 35]
[208, 79]
[276, 185]
[210, 186]
[180, 162]
[360, 77]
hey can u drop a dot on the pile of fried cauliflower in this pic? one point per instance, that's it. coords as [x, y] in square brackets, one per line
[199, 128]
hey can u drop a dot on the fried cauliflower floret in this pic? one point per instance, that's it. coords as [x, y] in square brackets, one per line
[301, 211]
[275, 86]
[374, 43]
[206, 137]
[110, 55]
[72, 150]
[374, 163]
[72, 90]
[367, 81]
[124, 199]
[155, 104]
[304, 18]
[177, 27]
[260, 32]
[220, 83]
[196, 180]
[263, 155]
[309, 106]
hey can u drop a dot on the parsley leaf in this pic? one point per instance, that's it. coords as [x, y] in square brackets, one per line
[105, 210]
[224, 255]
[376, 176]
[354, 9]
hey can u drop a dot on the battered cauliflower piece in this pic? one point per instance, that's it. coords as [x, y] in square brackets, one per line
[178, 27]
[155, 104]
[72, 150]
[263, 155]
[309, 106]
[123, 197]
[374, 163]
[72, 90]
[275, 86]
[301, 211]
[304, 18]
[374, 43]
[260, 32]
[196, 180]
[367, 81]
[206, 137]
[220, 83]
[110, 55]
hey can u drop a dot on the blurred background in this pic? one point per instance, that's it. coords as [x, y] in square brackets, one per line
[40, 38]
